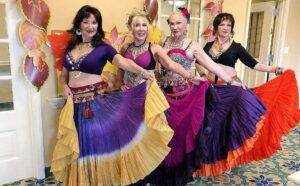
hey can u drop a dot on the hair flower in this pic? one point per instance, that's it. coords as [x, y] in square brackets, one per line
[185, 13]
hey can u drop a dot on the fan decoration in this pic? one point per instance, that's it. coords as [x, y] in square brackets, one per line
[32, 33]
[59, 43]
[214, 7]
[109, 73]
[113, 38]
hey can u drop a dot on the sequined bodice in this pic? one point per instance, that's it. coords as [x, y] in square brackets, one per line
[179, 56]
[170, 78]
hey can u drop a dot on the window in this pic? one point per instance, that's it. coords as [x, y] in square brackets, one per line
[255, 33]
[6, 96]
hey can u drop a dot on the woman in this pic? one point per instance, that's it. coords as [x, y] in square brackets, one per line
[280, 95]
[186, 112]
[225, 51]
[145, 54]
[99, 143]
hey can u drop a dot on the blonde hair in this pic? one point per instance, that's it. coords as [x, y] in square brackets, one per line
[136, 12]
[177, 12]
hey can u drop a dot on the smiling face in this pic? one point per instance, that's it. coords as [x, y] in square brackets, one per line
[177, 24]
[224, 28]
[88, 27]
[139, 28]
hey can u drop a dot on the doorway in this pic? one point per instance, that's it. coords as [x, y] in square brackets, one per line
[260, 39]
[21, 138]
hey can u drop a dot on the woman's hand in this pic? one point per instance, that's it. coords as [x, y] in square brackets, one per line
[197, 79]
[279, 70]
[126, 87]
[236, 83]
[148, 75]
[67, 91]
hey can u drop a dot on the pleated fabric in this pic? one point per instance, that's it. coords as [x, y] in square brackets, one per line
[274, 109]
[125, 140]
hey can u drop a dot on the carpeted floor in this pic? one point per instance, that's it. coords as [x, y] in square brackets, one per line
[273, 171]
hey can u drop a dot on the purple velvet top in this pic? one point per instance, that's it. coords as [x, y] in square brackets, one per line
[92, 62]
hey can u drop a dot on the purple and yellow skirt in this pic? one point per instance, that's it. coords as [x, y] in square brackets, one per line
[124, 139]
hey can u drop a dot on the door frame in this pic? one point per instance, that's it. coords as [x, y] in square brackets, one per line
[26, 118]
[279, 34]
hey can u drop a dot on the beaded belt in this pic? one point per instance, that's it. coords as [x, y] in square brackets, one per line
[87, 93]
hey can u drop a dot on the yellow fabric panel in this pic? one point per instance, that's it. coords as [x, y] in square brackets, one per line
[67, 146]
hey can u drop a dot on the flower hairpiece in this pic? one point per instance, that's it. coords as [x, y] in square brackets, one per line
[185, 13]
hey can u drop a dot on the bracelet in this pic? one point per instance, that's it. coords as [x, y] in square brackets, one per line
[230, 82]
[278, 71]
[203, 74]
[191, 77]
[143, 73]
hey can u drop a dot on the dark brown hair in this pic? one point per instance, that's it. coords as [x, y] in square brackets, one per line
[221, 17]
[85, 12]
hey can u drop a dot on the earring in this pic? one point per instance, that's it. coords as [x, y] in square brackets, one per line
[185, 33]
[78, 32]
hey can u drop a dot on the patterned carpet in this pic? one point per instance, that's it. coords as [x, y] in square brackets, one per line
[273, 171]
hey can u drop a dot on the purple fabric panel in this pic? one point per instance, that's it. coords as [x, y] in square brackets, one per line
[185, 117]
[117, 119]
[231, 116]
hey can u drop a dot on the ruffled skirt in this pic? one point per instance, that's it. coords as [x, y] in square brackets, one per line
[233, 120]
[242, 130]
[281, 98]
[185, 116]
[125, 140]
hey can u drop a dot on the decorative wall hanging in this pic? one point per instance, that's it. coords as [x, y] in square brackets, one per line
[214, 7]
[32, 33]
[151, 7]
[109, 73]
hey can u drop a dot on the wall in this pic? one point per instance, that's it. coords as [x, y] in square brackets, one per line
[291, 57]
[114, 13]
[291, 54]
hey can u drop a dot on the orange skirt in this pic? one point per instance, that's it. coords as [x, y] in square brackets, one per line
[281, 98]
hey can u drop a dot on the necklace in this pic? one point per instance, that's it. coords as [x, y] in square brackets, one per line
[219, 47]
[83, 49]
[176, 43]
[136, 50]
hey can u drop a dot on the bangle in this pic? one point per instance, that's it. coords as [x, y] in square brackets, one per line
[230, 82]
[278, 71]
[143, 73]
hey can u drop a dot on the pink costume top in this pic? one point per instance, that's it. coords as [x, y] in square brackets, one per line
[145, 60]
